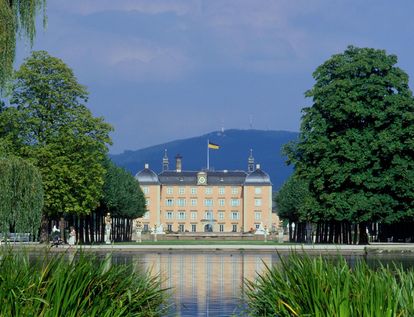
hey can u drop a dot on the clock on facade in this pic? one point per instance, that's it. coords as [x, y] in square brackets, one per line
[201, 179]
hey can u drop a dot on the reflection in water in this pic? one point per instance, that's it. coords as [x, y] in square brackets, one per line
[211, 284]
[202, 284]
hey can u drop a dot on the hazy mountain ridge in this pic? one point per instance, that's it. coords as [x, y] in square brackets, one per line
[234, 151]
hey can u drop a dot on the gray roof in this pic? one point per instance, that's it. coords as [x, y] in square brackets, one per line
[147, 177]
[257, 177]
[213, 177]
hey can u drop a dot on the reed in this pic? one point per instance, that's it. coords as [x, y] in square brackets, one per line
[315, 286]
[52, 285]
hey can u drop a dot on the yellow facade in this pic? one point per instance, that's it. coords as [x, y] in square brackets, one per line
[206, 201]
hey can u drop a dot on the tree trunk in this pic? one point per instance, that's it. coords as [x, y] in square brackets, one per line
[331, 232]
[62, 228]
[363, 237]
[44, 229]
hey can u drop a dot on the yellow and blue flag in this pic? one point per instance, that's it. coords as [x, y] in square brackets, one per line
[213, 146]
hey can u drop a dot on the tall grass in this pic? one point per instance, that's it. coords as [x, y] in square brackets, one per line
[54, 286]
[315, 286]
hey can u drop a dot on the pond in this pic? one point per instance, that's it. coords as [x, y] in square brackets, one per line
[211, 283]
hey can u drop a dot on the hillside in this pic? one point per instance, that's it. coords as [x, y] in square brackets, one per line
[234, 150]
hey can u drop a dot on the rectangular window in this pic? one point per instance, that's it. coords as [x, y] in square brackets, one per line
[169, 215]
[181, 190]
[181, 228]
[234, 228]
[221, 202]
[257, 215]
[145, 189]
[181, 202]
[145, 227]
[234, 215]
[181, 215]
[208, 191]
[169, 202]
[169, 227]
[221, 228]
[169, 190]
[208, 215]
[235, 202]
[193, 202]
[208, 202]
[257, 190]
[193, 191]
[221, 191]
[234, 190]
[193, 228]
[193, 215]
[221, 215]
[257, 202]
[147, 202]
[146, 215]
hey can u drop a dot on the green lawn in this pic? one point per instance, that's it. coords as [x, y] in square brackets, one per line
[201, 242]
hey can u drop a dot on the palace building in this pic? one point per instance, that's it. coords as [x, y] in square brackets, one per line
[206, 200]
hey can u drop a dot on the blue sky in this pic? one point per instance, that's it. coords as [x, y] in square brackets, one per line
[159, 70]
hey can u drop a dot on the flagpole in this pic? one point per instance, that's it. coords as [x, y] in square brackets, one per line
[208, 155]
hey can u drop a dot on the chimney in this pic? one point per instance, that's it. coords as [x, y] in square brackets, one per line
[146, 165]
[257, 166]
[178, 163]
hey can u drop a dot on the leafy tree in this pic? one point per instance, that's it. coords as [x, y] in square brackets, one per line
[17, 17]
[54, 129]
[21, 196]
[291, 198]
[356, 144]
[123, 196]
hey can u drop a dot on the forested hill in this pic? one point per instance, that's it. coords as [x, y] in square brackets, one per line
[234, 151]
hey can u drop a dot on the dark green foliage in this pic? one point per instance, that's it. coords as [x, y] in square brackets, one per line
[55, 285]
[291, 198]
[122, 196]
[356, 145]
[21, 196]
[317, 286]
[49, 124]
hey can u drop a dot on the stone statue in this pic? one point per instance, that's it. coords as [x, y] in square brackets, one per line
[281, 234]
[160, 229]
[108, 228]
[154, 232]
[72, 236]
[138, 230]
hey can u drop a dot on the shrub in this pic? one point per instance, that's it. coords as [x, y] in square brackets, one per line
[315, 286]
[53, 285]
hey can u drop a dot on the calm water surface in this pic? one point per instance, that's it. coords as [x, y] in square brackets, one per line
[211, 283]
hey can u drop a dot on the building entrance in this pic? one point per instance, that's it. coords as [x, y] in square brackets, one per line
[208, 228]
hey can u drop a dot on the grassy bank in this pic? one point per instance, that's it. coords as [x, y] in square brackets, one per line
[84, 286]
[315, 286]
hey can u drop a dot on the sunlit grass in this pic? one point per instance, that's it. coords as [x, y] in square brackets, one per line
[202, 242]
[315, 286]
[54, 285]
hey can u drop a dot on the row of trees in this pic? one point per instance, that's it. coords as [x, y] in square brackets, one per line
[46, 124]
[354, 157]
